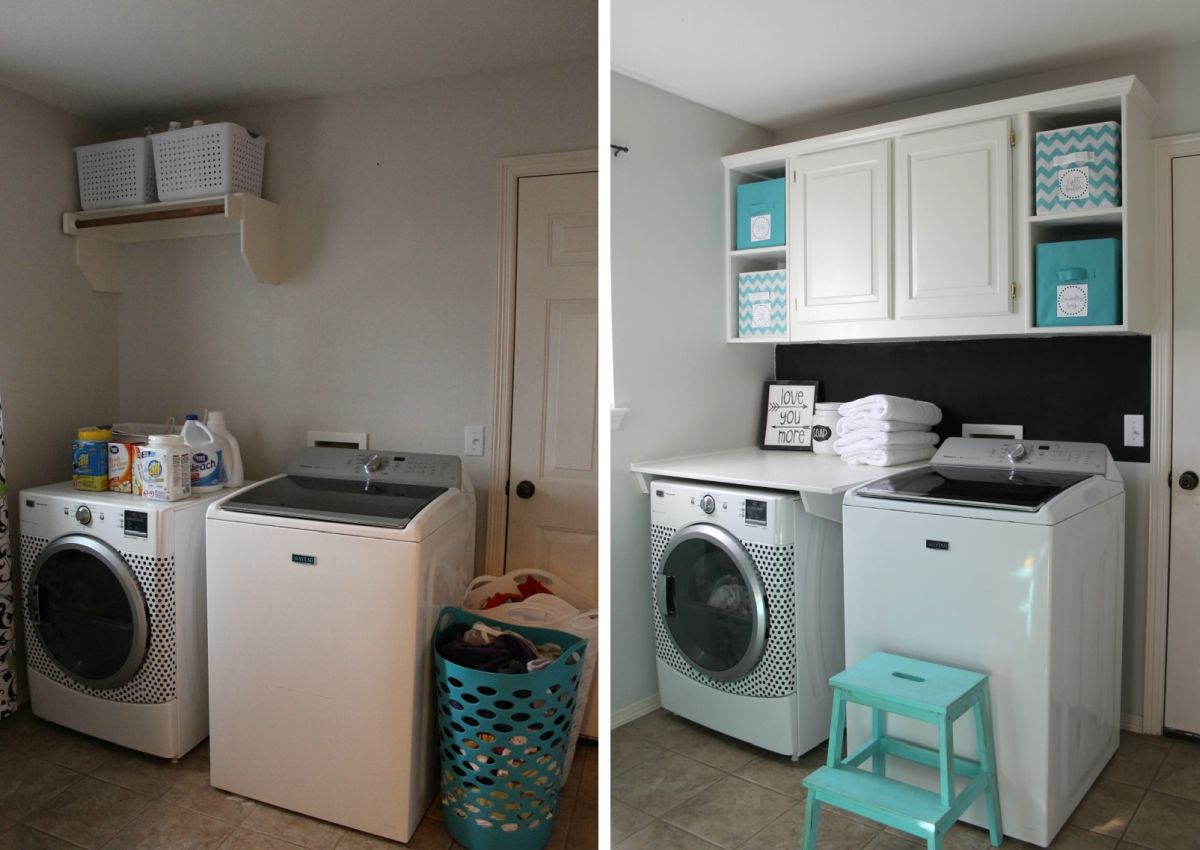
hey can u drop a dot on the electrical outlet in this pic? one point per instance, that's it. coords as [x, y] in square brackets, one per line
[473, 441]
[1135, 429]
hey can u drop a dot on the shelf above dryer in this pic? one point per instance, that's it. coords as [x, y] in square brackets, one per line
[100, 233]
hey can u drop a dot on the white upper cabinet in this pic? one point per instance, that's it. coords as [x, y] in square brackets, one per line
[839, 235]
[953, 220]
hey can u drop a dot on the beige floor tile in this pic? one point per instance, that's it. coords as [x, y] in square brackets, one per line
[663, 836]
[834, 832]
[148, 775]
[245, 839]
[1107, 808]
[659, 726]
[27, 782]
[657, 787]
[430, 835]
[964, 836]
[563, 813]
[712, 748]
[1074, 838]
[291, 826]
[6, 824]
[23, 838]
[589, 784]
[585, 825]
[625, 821]
[89, 813]
[192, 791]
[435, 808]
[628, 749]
[1164, 822]
[894, 841]
[779, 773]
[165, 827]
[1137, 760]
[729, 812]
[1180, 773]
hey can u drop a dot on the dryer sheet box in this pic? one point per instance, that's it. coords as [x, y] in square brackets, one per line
[1078, 168]
[1078, 283]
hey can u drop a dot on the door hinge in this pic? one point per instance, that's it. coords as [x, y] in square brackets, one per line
[505, 488]
[794, 175]
[1012, 138]
[1169, 479]
[1012, 291]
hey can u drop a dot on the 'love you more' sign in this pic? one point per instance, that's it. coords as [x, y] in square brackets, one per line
[788, 414]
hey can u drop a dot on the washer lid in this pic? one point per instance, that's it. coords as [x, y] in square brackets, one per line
[333, 500]
[1002, 489]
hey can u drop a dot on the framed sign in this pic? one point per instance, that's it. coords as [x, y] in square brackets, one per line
[788, 414]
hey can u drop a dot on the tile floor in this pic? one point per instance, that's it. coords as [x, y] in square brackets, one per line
[678, 786]
[60, 790]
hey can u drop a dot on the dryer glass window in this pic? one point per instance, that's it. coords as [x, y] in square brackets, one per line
[85, 616]
[712, 607]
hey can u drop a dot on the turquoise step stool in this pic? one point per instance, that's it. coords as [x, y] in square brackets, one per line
[929, 692]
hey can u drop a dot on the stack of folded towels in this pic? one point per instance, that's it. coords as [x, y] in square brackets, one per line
[886, 430]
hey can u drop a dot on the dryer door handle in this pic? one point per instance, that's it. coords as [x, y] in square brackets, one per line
[666, 595]
[35, 605]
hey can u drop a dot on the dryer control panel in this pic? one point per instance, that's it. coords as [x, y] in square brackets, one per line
[753, 515]
[1047, 455]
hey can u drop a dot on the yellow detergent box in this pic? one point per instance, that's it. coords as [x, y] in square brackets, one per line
[89, 459]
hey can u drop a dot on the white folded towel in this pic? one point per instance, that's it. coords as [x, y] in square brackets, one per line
[850, 424]
[893, 408]
[863, 440]
[890, 457]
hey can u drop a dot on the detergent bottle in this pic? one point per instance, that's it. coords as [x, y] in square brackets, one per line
[232, 458]
[207, 466]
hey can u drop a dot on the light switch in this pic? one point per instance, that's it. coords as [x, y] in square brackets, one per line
[473, 441]
[1135, 430]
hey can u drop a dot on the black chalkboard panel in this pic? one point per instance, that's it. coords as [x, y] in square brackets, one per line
[1058, 388]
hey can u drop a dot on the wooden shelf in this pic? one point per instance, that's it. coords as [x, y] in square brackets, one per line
[777, 252]
[100, 233]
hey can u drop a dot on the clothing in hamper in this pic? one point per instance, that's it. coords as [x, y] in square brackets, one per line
[893, 408]
[862, 440]
[492, 650]
[890, 457]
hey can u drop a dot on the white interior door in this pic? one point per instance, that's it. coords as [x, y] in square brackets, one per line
[1182, 709]
[552, 495]
[953, 209]
[841, 249]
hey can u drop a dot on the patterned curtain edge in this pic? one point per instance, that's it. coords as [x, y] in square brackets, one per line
[8, 611]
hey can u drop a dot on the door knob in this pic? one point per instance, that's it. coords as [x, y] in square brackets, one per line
[1189, 480]
[525, 489]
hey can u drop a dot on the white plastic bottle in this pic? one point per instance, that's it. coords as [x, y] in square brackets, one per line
[206, 455]
[232, 460]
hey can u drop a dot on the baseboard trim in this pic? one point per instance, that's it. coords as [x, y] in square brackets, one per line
[638, 709]
[1131, 722]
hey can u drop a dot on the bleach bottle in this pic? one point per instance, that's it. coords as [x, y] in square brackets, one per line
[232, 457]
[207, 467]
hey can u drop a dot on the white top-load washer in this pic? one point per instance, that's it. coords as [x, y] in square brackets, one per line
[1005, 557]
[324, 586]
[113, 586]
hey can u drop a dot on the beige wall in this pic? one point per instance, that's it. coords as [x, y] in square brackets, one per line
[386, 323]
[58, 349]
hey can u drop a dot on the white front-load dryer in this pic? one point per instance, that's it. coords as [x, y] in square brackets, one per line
[747, 592]
[114, 604]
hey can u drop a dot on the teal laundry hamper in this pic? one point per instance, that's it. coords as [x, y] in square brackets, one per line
[503, 738]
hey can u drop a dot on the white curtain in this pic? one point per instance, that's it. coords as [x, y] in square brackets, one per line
[8, 600]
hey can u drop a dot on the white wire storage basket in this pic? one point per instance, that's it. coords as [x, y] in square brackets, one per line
[115, 174]
[208, 159]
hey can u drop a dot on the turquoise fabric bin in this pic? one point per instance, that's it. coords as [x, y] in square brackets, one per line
[762, 304]
[1079, 283]
[503, 740]
[762, 214]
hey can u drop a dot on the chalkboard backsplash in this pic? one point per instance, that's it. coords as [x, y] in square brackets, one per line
[1058, 388]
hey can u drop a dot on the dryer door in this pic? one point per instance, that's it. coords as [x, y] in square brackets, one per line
[89, 611]
[712, 601]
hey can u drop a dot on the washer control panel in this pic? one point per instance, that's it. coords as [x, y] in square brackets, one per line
[1023, 454]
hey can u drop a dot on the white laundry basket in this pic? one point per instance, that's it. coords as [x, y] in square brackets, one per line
[208, 159]
[115, 174]
[567, 610]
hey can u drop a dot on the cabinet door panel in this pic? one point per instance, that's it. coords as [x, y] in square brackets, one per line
[840, 234]
[953, 221]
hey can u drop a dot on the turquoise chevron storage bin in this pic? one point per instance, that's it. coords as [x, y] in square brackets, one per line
[762, 214]
[1078, 283]
[1079, 168]
[503, 740]
[762, 304]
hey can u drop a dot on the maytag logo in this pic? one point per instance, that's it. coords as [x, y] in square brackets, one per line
[304, 559]
[943, 545]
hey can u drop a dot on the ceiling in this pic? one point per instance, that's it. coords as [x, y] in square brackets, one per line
[777, 63]
[122, 62]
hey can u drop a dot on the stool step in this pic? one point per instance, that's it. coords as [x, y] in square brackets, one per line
[872, 796]
[907, 681]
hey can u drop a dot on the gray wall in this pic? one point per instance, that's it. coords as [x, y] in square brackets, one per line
[687, 390]
[386, 322]
[58, 339]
